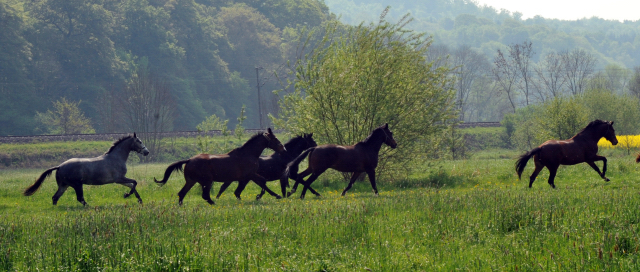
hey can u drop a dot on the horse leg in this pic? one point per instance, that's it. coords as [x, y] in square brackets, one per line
[553, 169]
[354, 177]
[372, 178]
[241, 185]
[535, 173]
[223, 188]
[79, 194]
[58, 194]
[261, 194]
[604, 166]
[131, 183]
[262, 182]
[299, 180]
[206, 192]
[183, 192]
[307, 184]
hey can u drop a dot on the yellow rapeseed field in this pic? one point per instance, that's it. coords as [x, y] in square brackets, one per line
[624, 141]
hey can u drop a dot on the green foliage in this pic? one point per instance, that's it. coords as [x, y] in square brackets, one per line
[562, 117]
[358, 79]
[65, 118]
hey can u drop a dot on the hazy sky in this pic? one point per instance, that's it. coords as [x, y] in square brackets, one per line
[570, 9]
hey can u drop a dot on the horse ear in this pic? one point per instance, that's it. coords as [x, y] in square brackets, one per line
[134, 135]
[611, 123]
[310, 134]
[386, 125]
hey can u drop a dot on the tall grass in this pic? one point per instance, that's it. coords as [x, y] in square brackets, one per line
[481, 219]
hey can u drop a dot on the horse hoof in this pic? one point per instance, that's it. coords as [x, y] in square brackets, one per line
[278, 197]
[211, 202]
[140, 201]
[126, 195]
[258, 197]
[289, 194]
[343, 193]
[238, 198]
[606, 179]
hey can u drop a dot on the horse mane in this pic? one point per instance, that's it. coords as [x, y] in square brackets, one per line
[366, 140]
[293, 140]
[592, 125]
[117, 142]
[254, 137]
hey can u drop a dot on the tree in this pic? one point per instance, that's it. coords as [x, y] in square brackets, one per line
[65, 118]
[469, 67]
[353, 82]
[18, 100]
[634, 83]
[551, 79]
[521, 55]
[147, 108]
[578, 65]
[506, 77]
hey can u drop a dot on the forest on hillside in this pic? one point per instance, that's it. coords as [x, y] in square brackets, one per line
[199, 57]
[173, 63]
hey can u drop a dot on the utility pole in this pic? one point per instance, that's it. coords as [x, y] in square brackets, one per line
[259, 99]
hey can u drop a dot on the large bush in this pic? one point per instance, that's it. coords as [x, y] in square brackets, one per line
[358, 78]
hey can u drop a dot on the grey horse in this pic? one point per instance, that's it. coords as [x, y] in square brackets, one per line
[108, 168]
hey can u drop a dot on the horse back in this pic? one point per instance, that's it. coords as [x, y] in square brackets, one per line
[341, 158]
[91, 171]
[221, 168]
[566, 152]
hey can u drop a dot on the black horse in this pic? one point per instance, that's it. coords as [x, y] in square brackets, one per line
[272, 167]
[358, 158]
[108, 168]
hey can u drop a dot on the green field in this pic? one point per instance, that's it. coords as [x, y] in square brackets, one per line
[465, 215]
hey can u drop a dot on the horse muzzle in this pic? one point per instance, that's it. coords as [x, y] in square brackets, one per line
[144, 151]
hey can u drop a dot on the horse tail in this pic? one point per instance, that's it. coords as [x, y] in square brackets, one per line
[638, 158]
[292, 167]
[33, 188]
[176, 166]
[521, 163]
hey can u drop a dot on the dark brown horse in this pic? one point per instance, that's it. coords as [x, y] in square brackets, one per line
[583, 147]
[240, 164]
[358, 158]
[272, 167]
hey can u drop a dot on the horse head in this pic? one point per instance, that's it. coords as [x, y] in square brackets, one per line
[273, 142]
[610, 134]
[138, 146]
[389, 140]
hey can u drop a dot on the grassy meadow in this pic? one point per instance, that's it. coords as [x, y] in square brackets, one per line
[471, 215]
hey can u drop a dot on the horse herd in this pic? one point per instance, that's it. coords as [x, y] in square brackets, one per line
[245, 164]
[242, 164]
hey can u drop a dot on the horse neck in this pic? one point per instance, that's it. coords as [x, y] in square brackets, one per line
[292, 150]
[591, 135]
[253, 147]
[121, 151]
[373, 142]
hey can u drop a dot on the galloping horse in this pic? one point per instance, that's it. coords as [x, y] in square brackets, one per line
[583, 147]
[358, 158]
[108, 168]
[272, 167]
[240, 164]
